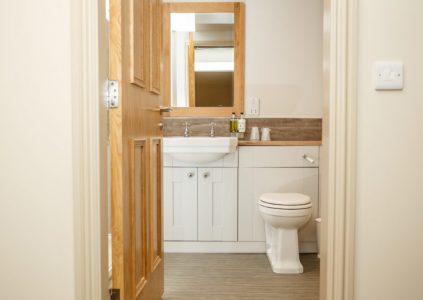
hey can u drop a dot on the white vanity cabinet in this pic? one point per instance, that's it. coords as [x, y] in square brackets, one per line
[213, 208]
[264, 169]
[200, 202]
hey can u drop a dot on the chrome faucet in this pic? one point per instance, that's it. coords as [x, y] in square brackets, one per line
[212, 124]
[186, 131]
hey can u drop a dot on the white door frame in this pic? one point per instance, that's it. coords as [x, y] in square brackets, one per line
[339, 143]
[89, 63]
[91, 269]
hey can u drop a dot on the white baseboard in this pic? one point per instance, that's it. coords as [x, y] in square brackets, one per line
[214, 247]
[227, 247]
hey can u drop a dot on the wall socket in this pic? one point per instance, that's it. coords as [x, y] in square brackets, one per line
[252, 106]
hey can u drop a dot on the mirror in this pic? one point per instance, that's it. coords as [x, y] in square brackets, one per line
[204, 57]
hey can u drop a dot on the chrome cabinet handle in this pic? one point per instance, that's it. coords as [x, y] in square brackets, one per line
[309, 159]
[206, 175]
[190, 174]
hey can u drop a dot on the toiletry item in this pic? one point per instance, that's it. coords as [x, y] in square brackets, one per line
[233, 125]
[254, 135]
[265, 134]
[241, 125]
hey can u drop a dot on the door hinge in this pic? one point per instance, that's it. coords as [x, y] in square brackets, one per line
[114, 294]
[112, 93]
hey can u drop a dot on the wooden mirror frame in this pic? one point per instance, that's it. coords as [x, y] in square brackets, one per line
[207, 7]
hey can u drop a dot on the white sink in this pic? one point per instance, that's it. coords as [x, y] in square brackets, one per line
[199, 149]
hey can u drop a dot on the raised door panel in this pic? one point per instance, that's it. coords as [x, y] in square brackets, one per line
[217, 204]
[156, 204]
[180, 197]
[155, 18]
[254, 182]
[138, 205]
[154, 287]
[139, 42]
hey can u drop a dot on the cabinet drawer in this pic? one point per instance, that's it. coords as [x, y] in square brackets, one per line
[278, 157]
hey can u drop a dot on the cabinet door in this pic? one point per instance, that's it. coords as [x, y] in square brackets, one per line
[254, 182]
[217, 204]
[180, 204]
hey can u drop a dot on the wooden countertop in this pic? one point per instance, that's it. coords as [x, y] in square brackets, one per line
[278, 143]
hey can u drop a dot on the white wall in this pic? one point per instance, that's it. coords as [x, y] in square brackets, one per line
[36, 217]
[389, 260]
[284, 56]
[283, 63]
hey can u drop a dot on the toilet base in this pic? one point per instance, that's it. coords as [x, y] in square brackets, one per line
[286, 268]
[282, 251]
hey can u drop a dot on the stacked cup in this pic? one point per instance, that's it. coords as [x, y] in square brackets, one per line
[265, 134]
[255, 135]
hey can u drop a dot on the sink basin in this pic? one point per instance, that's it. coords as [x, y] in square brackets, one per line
[199, 149]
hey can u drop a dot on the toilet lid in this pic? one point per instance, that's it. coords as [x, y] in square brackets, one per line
[285, 199]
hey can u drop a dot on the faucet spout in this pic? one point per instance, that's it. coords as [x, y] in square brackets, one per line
[212, 124]
[186, 131]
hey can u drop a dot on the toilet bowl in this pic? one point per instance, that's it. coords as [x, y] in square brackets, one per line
[283, 215]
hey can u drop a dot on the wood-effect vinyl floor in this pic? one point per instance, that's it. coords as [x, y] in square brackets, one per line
[237, 276]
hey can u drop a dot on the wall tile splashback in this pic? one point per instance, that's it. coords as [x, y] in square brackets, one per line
[282, 129]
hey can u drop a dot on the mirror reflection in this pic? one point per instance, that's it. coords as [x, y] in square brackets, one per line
[202, 59]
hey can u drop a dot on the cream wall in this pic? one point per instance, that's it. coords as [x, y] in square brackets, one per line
[389, 259]
[283, 62]
[284, 56]
[36, 213]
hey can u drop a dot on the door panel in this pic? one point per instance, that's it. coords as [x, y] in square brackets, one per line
[139, 17]
[156, 207]
[155, 11]
[135, 146]
[180, 196]
[155, 265]
[217, 204]
[138, 212]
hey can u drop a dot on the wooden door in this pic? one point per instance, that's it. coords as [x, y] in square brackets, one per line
[180, 198]
[135, 57]
[217, 204]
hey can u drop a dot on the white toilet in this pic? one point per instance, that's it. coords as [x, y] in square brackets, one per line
[283, 215]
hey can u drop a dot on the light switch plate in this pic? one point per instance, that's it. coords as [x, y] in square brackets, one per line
[389, 75]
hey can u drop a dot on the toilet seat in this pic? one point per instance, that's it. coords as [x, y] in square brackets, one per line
[287, 207]
[285, 204]
[285, 199]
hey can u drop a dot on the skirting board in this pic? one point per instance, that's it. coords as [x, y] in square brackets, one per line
[227, 247]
